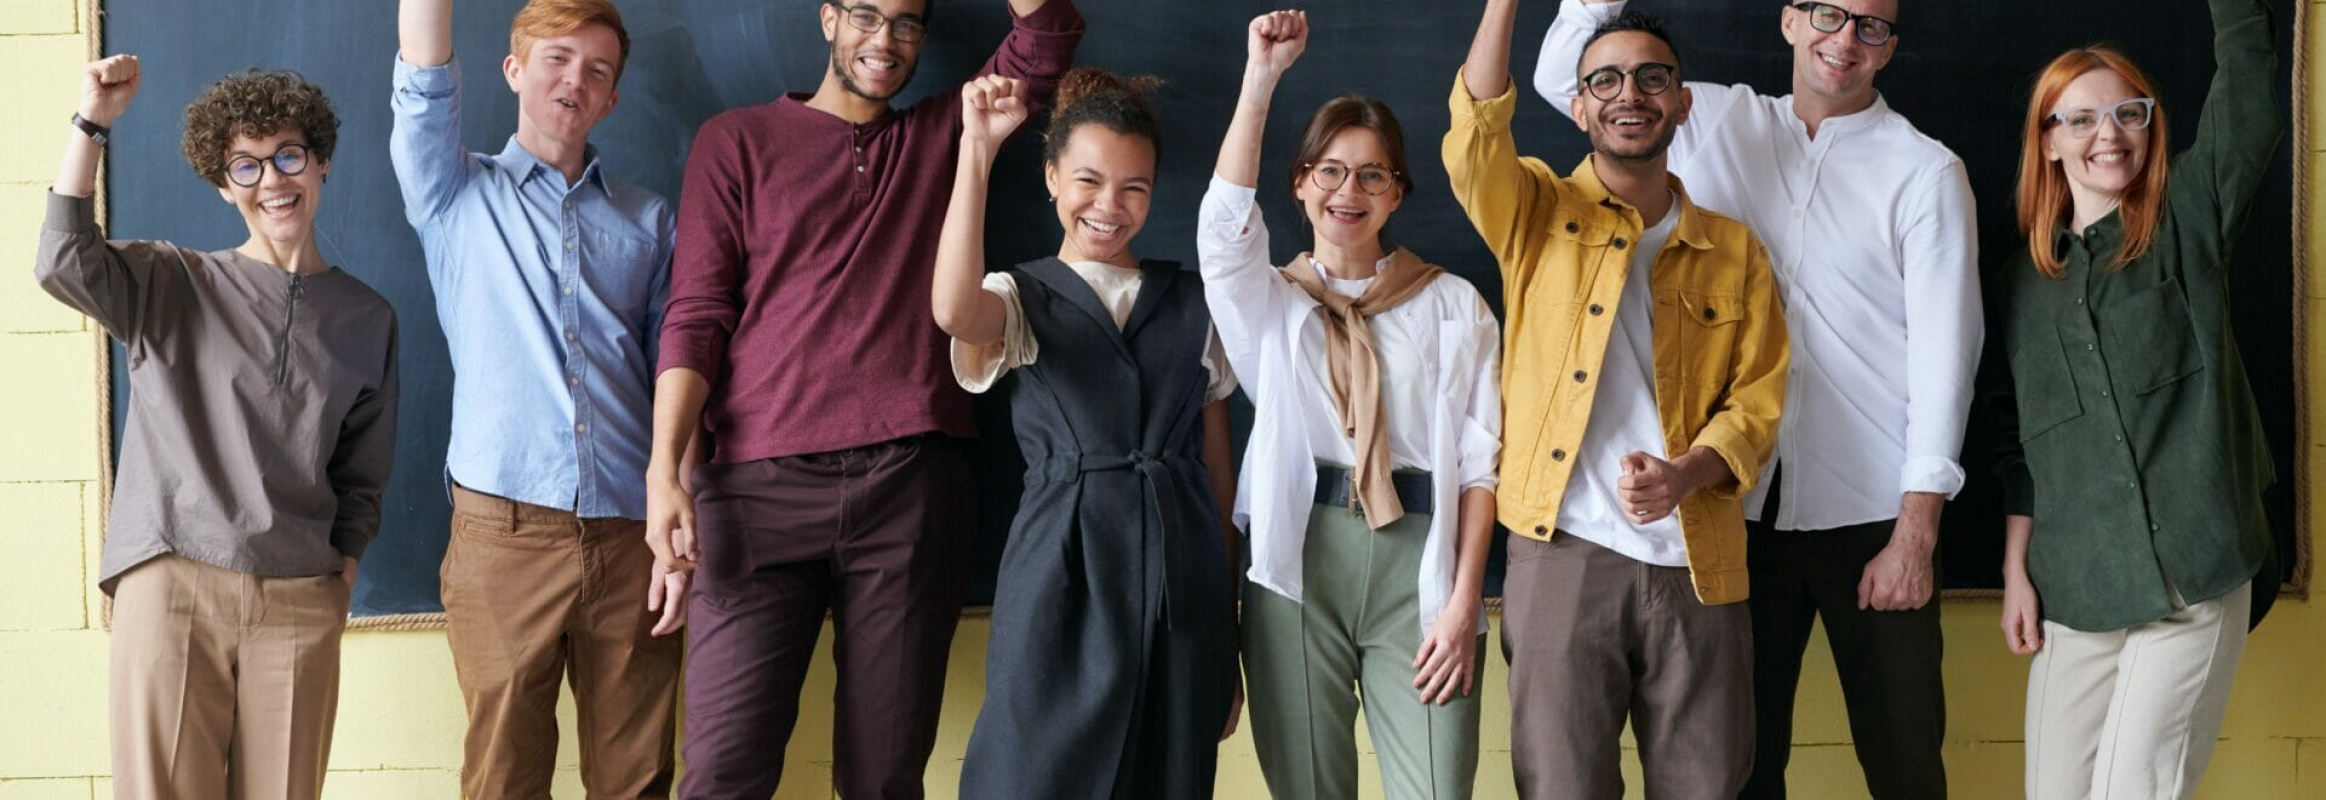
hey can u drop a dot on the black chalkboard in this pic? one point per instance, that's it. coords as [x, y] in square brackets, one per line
[1962, 75]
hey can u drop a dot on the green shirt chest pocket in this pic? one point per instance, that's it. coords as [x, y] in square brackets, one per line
[2149, 339]
[2043, 388]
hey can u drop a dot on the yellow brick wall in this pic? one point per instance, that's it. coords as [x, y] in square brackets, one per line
[406, 743]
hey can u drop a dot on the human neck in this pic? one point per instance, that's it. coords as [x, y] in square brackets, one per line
[832, 97]
[1643, 184]
[569, 158]
[297, 257]
[1814, 108]
[1354, 263]
[2090, 207]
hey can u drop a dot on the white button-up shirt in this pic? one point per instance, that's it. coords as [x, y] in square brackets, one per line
[1872, 233]
[1274, 336]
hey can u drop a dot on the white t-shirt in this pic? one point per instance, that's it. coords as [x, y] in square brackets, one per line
[1624, 420]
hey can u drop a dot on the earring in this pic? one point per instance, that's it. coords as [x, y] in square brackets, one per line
[1053, 199]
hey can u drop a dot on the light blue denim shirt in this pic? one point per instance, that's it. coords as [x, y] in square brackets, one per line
[551, 300]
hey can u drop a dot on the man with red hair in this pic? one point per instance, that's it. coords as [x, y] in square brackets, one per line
[550, 277]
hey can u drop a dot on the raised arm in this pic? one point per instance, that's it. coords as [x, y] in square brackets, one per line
[424, 32]
[1500, 192]
[118, 285]
[1039, 48]
[991, 109]
[1555, 76]
[424, 98]
[1231, 239]
[1486, 73]
[2241, 126]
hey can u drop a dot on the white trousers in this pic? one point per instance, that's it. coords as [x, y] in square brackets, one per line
[2132, 714]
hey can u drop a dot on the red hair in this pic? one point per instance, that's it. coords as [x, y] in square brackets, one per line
[2044, 204]
[549, 19]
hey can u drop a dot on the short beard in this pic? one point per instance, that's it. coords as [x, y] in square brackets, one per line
[1604, 145]
[848, 80]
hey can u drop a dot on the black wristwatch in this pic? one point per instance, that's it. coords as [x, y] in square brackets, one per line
[97, 133]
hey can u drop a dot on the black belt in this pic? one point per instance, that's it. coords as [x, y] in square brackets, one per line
[1414, 488]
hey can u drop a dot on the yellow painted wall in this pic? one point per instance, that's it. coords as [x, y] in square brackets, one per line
[406, 743]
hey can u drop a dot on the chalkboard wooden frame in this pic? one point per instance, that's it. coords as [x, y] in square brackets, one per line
[980, 27]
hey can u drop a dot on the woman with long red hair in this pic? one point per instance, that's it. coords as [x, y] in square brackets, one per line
[2132, 453]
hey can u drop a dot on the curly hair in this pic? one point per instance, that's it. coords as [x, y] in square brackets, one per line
[256, 104]
[1089, 96]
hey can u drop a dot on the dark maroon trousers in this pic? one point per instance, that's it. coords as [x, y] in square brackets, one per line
[879, 536]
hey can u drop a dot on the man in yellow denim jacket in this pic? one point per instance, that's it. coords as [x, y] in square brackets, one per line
[1643, 372]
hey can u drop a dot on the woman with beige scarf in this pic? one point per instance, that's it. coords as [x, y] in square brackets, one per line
[1368, 485]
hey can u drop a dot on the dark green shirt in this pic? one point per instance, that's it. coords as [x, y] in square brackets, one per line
[2127, 428]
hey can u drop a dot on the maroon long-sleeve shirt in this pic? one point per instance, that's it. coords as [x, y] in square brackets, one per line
[800, 285]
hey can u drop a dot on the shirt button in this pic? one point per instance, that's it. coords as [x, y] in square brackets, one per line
[1596, 310]
[2091, 347]
[1710, 314]
[2079, 301]
[1558, 455]
[581, 427]
[571, 336]
[2133, 485]
[573, 380]
[569, 289]
[860, 168]
[1580, 375]
[1542, 531]
[2119, 437]
[2104, 393]
[1796, 213]
[2153, 527]
[1619, 243]
[1573, 228]
[569, 205]
[569, 245]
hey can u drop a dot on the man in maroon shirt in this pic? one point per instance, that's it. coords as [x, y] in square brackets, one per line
[798, 342]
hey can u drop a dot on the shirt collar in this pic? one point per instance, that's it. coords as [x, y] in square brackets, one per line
[1690, 231]
[1378, 266]
[1863, 118]
[521, 163]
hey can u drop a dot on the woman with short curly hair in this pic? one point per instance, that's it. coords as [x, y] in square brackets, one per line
[261, 434]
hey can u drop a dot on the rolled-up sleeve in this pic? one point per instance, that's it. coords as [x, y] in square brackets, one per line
[424, 139]
[707, 263]
[1482, 421]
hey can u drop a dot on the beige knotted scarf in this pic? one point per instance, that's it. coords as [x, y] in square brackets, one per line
[1355, 367]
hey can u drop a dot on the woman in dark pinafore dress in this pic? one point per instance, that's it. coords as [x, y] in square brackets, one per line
[1111, 671]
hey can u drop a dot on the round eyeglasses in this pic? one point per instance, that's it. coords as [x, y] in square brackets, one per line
[2083, 122]
[907, 29]
[247, 170]
[1330, 176]
[1826, 18]
[1606, 83]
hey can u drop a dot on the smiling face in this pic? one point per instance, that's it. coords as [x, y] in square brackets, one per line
[1104, 181]
[281, 208]
[1347, 216]
[565, 84]
[1836, 65]
[1633, 125]
[874, 66]
[2103, 166]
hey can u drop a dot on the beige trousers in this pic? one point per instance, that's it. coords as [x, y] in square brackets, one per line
[224, 684]
[2132, 714]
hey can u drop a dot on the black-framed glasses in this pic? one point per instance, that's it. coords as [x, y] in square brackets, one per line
[1873, 31]
[2083, 122]
[1606, 83]
[1330, 176]
[247, 170]
[907, 29]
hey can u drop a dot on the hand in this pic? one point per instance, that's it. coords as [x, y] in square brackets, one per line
[1277, 39]
[1235, 707]
[107, 85]
[347, 569]
[1650, 488]
[670, 524]
[2022, 615]
[1898, 579]
[666, 593]
[991, 108]
[1448, 657]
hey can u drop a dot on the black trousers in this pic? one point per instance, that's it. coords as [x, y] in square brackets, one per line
[1888, 660]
